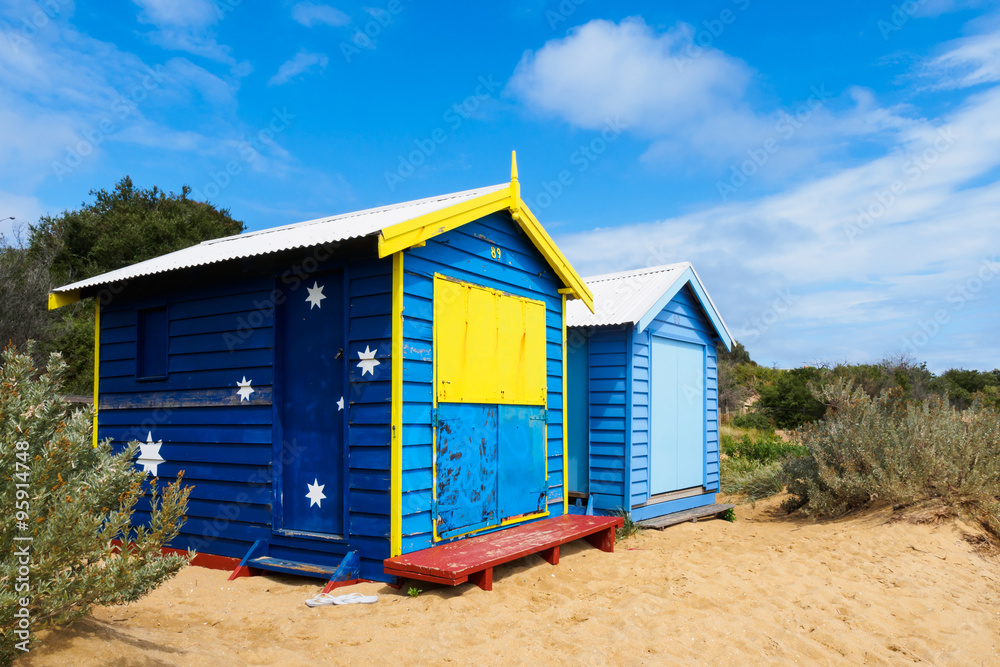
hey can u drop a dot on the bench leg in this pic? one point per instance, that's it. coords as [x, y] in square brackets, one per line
[603, 540]
[483, 579]
[551, 556]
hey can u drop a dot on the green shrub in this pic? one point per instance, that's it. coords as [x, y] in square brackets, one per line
[788, 399]
[759, 446]
[755, 420]
[65, 501]
[751, 479]
[752, 462]
[902, 452]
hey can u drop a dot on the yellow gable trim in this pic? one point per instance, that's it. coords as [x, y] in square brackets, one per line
[545, 245]
[413, 232]
[60, 299]
[417, 231]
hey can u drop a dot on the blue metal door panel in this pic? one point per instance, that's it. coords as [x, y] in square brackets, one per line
[466, 467]
[311, 406]
[522, 486]
[677, 411]
[578, 417]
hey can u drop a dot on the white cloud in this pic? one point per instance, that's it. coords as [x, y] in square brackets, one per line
[869, 254]
[697, 106]
[302, 62]
[968, 61]
[174, 13]
[604, 70]
[310, 14]
[187, 25]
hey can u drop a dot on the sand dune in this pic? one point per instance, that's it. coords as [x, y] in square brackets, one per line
[764, 590]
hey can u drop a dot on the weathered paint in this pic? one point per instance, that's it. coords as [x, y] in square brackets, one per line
[467, 479]
[465, 254]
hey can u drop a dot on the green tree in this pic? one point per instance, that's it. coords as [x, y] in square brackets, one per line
[121, 227]
[788, 398]
[64, 501]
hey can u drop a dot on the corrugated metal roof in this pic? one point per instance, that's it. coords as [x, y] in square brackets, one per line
[288, 237]
[627, 297]
[624, 297]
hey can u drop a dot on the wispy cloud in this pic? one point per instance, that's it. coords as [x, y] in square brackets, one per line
[968, 62]
[187, 25]
[302, 62]
[870, 253]
[310, 14]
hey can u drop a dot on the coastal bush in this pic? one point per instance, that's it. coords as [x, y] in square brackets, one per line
[67, 505]
[754, 420]
[901, 452]
[752, 461]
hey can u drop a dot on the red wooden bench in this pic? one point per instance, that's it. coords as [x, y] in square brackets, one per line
[474, 558]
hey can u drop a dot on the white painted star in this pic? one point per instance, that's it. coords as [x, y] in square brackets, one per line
[315, 494]
[368, 361]
[149, 454]
[340, 404]
[315, 295]
[244, 389]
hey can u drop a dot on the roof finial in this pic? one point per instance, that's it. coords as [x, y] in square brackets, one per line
[513, 166]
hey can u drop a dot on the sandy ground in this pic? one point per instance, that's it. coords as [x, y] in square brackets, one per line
[764, 590]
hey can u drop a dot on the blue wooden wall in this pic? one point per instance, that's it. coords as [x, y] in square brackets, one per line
[218, 336]
[608, 374]
[465, 254]
[613, 408]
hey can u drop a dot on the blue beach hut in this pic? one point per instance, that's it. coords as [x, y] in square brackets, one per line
[349, 389]
[643, 393]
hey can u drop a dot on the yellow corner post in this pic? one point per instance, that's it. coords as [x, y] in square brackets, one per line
[565, 419]
[396, 456]
[97, 360]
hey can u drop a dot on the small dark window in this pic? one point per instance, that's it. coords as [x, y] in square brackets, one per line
[151, 351]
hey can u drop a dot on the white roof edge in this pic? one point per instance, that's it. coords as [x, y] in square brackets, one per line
[305, 234]
[613, 307]
[708, 295]
[635, 272]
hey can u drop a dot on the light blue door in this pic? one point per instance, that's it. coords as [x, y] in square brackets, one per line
[677, 416]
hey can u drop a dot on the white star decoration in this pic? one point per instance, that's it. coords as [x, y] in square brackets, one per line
[315, 494]
[244, 389]
[315, 296]
[340, 404]
[149, 454]
[368, 361]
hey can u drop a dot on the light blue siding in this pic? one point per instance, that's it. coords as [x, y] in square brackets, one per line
[682, 319]
[619, 408]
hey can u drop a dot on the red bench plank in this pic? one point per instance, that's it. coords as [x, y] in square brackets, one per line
[474, 558]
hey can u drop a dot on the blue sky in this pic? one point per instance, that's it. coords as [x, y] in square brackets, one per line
[833, 174]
